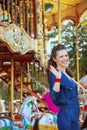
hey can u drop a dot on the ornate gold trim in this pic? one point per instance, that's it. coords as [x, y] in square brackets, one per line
[17, 39]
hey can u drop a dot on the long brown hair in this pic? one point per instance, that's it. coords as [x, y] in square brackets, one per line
[53, 55]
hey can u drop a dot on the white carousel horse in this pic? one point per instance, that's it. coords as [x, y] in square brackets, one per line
[28, 111]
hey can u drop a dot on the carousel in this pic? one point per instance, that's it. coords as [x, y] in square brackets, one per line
[22, 47]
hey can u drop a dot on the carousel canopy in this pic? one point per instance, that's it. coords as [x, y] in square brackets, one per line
[17, 40]
[70, 9]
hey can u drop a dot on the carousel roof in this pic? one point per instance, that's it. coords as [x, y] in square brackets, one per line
[65, 4]
[18, 41]
[70, 9]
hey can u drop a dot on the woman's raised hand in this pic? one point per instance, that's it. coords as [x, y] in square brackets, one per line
[56, 72]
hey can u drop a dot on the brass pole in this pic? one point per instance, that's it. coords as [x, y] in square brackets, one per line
[28, 72]
[77, 52]
[21, 90]
[8, 11]
[77, 55]
[43, 31]
[44, 42]
[26, 16]
[12, 88]
[3, 5]
[34, 18]
[12, 11]
[16, 13]
[59, 21]
[30, 18]
[23, 11]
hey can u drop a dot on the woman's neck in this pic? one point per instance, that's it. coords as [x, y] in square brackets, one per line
[63, 69]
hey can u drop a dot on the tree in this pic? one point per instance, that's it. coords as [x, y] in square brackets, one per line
[68, 38]
[83, 46]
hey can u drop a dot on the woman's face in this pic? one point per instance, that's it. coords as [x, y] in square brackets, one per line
[61, 59]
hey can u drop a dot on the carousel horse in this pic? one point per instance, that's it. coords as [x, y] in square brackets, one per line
[26, 111]
[36, 118]
[30, 113]
[46, 120]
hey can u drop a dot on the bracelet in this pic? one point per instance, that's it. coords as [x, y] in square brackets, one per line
[57, 79]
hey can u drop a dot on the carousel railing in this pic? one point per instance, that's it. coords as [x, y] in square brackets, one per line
[38, 84]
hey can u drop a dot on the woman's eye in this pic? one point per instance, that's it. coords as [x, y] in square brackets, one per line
[66, 55]
[61, 56]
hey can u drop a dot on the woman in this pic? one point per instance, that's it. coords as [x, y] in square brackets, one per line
[63, 90]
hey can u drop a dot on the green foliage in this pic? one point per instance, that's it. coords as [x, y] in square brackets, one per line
[68, 38]
[83, 46]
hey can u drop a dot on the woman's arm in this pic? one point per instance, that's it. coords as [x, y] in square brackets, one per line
[58, 96]
[57, 74]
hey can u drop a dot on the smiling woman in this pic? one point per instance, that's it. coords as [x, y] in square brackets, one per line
[63, 90]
